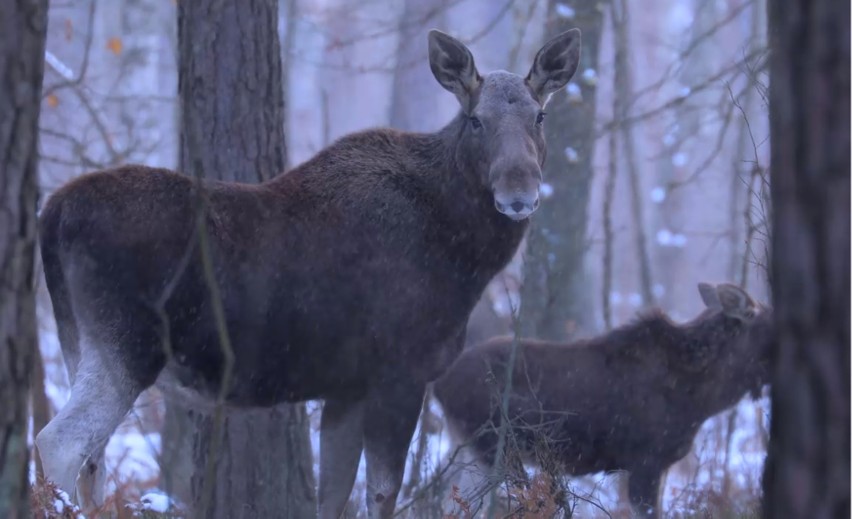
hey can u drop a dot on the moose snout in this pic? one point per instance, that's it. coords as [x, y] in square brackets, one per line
[517, 206]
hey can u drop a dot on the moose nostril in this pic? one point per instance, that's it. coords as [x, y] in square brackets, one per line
[535, 204]
[518, 206]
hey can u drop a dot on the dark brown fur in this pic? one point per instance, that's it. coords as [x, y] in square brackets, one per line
[349, 279]
[631, 399]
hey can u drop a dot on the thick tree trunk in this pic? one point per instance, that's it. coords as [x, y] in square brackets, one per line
[233, 129]
[555, 295]
[807, 469]
[23, 27]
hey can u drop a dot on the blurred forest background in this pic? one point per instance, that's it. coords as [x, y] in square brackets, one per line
[656, 180]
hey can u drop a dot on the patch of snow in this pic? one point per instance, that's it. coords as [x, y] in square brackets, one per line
[156, 502]
[575, 95]
[57, 65]
[546, 190]
[658, 194]
[64, 497]
[590, 77]
[679, 159]
[133, 455]
[565, 11]
[572, 155]
[59, 506]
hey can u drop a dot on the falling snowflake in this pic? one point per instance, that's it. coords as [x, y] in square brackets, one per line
[575, 95]
[685, 91]
[669, 139]
[658, 290]
[590, 77]
[664, 237]
[679, 159]
[658, 194]
[572, 155]
[615, 298]
[546, 190]
[565, 11]
[634, 299]
[678, 240]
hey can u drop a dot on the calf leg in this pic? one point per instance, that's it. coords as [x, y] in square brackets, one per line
[390, 419]
[643, 489]
[341, 443]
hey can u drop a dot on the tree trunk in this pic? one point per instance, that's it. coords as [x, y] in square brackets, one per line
[623, 94]
[232, 107]
[22, 38]
[555, 296]
[413, 83]
[807, 469]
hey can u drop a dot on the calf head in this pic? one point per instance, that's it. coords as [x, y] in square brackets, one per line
[731, 341]
[502, 139]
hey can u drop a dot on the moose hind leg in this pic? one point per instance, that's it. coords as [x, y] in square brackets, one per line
[72, 444]
[390, 419]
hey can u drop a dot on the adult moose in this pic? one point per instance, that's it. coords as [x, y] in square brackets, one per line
[632, 399]
[349, 279]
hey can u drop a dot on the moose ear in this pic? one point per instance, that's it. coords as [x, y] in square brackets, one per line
[709, 296]
[452, 65]
[735, 302]
[555, 64]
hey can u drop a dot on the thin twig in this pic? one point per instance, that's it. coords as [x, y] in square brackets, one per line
[609, 194]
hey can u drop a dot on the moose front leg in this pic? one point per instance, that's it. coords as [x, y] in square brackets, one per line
[643, 489]
[341, 443]
[389, 421]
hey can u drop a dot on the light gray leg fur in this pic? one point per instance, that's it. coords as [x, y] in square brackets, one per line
[72, 444]
[341, 443]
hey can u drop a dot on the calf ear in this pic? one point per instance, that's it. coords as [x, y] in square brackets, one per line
[555, 64]
[735, 302]
[709, 296]
[452, 65]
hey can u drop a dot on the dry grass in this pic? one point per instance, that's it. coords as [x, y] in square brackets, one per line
[48, 502]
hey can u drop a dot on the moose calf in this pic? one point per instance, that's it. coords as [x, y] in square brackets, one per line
[632, 399]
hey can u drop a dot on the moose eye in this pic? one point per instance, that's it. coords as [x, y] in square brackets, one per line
[540, 118]
[475, 122]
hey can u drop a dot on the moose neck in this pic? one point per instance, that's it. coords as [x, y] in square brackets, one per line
[486, 238]
[727, 377]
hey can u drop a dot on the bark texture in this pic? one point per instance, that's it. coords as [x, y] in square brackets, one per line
[232, 109]
[23, 27]
[807, 469]
[555, 295]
